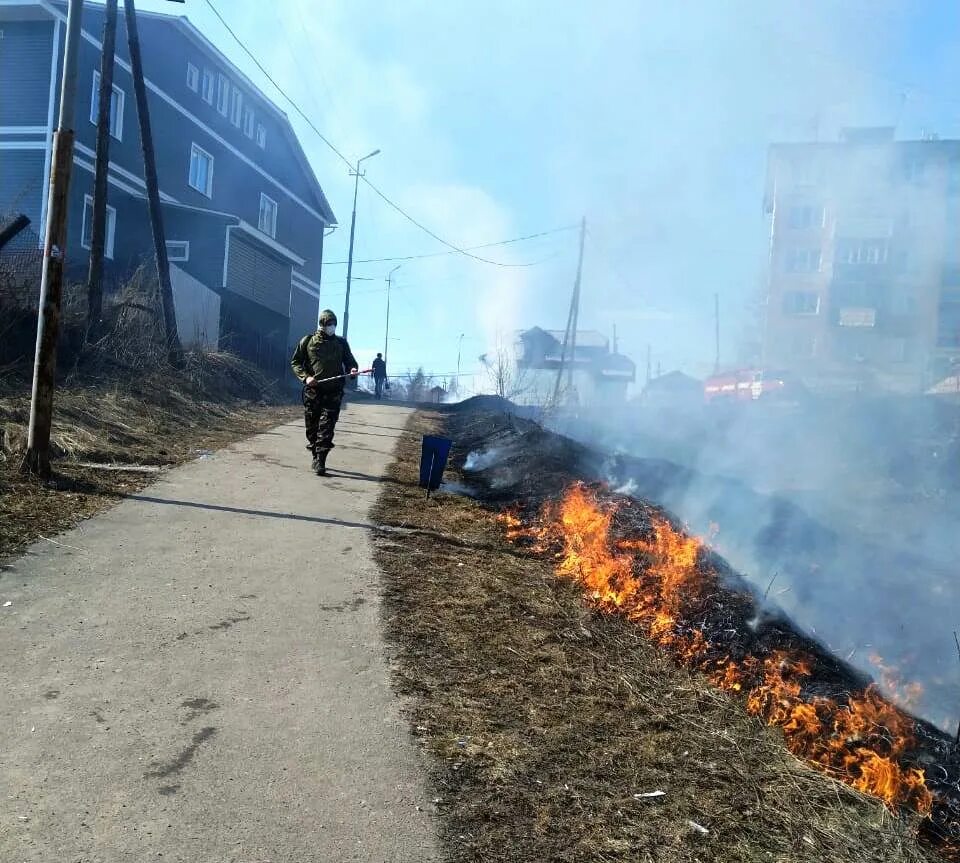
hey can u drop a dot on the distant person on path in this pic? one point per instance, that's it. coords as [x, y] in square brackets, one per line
[319, 356]
[379, 375]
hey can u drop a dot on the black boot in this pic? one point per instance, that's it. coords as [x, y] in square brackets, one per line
[320, 462]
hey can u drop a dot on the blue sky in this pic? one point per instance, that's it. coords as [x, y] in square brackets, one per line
[652, 119]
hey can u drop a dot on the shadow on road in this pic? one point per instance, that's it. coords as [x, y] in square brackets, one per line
[258, 512]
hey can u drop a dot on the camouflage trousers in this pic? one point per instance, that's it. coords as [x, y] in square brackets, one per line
[320, 413]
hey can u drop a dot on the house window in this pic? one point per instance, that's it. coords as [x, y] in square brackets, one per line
[193, 77]
[178, 250]
[801, 303]
[803, 261]
[86, 232]
[248, 122]
[268, 215]
[201, 170]
[261, 135]
[236, 106]
[206, 89]
[116, 107]
[223, 94]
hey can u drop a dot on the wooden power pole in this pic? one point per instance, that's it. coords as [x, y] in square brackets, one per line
[99, 228]
[37, 458]
[570, 335]
[174, 349]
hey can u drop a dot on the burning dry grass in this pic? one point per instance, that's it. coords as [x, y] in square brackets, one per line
[549, 721]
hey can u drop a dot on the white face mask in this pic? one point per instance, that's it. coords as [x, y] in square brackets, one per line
[330, 329]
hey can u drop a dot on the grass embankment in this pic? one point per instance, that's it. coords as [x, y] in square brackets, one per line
[115, 430]
[545, 719]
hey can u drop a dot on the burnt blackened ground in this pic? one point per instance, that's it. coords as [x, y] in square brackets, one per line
[526, 466]
[548, 721]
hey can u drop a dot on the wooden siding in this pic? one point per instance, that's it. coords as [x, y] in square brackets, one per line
[304, 310]
[258, 276]
[21, 183]
[25, 54]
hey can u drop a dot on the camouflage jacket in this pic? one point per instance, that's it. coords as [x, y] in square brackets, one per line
[321, 356]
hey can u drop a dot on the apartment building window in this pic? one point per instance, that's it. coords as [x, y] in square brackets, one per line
[201, 170]
[953, 177]
[268, 215]
[804, 216]
[801, 303]
[193, 77]
[913, 169]
[802, 261]
[902, 303]
[206, 88]
[261, 136]
[803, 346]
[900, 350]
[236, 107]
[223, 94]
[117, 99]
[868, 252]
[248, 122]
[86, 231]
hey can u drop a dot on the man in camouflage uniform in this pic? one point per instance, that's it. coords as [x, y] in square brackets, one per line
[319, 356]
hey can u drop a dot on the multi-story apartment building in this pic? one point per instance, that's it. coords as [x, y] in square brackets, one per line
[864, 269]
[244, 214]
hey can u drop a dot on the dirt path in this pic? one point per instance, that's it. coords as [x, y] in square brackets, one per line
[198, 674]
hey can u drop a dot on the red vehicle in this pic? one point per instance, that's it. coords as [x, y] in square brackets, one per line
[748, 385]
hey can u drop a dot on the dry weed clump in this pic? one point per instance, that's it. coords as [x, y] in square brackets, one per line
[118, 403]
[546, 723]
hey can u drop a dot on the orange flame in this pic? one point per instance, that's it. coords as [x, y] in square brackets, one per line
[652, 579]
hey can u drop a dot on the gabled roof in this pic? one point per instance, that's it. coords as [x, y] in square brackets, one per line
[185, 26]
[585, 338]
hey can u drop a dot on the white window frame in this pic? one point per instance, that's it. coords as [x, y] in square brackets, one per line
[236, 107]
[803, 260]
[223, 94]
[208, 191]
[261, 136]
[116, 117]
[178, 250]
[248, 124]
[271, 228]
[801, 313]
[193, 77]
[88, 221]
[208, 86]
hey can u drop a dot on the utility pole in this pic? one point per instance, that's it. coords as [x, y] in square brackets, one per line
[570, 335]
[649, 366]
[37, 458]
[174, 349]
[386, 335]
[615, 339]
[353, 227]
[716, 332]
[99, 228]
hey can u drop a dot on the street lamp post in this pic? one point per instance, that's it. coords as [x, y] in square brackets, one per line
[353, 226]
[459, 352]
[386, 335]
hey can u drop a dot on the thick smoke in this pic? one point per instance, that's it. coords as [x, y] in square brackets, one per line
[842, 513]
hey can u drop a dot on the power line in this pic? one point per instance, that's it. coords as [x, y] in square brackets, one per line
[452, 246]
[452, 252]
